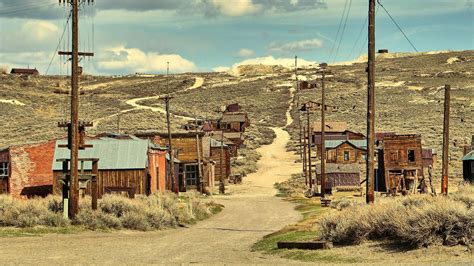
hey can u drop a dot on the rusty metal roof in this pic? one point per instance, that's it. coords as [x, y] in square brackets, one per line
[331, 127]
[234, 117]
[360, 144]
[334, 168]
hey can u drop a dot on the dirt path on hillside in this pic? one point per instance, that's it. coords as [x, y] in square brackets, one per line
[135, 104]
[251, 212]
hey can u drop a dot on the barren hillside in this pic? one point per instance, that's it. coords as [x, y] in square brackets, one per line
[409, 100]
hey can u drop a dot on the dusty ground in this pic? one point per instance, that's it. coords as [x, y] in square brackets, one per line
[251, 211]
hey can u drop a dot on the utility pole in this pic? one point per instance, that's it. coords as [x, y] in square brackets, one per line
[309, 168]
[370, 170]
[304, 156]
[174, 188]
[323, 132]
[297, 104]
[200, 185]
[221, 179]
[445, 175]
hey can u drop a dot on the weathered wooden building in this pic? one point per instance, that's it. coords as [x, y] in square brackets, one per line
[126, 166]
[25, 170]
[218, 149]
[333, 131]
[340, 175]
[24, 71]
[186, 149]
[468, 167]
[307, 85]
[400, 164]
[346, 151]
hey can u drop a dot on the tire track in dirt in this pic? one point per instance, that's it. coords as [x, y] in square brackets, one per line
[135, 103]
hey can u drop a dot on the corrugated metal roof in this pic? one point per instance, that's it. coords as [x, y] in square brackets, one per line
[330, 127]
[217, 143]
[361, 144]
[469, 156]
[113, 154]
[234, 117]
[333, 168]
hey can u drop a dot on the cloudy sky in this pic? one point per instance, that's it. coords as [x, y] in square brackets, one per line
[207, 35]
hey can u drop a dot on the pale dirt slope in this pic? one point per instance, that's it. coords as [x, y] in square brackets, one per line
[251, 212]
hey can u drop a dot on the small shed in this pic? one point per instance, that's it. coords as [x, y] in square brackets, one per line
[24, 71]
[123, 165]
[340, 175]
[468, 167]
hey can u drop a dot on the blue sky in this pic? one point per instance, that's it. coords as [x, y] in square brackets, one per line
[205, 35]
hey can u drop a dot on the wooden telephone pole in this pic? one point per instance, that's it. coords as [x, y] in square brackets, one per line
[200, 185]
[174, 188]
[370, 170]
[74, 131]
[309, 167]
[323, 131]
[445, 174]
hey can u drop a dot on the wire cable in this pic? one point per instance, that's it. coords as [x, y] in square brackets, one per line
[398, 26]
[343, 31]
[358, 37]
[338, 30]
[59, 43]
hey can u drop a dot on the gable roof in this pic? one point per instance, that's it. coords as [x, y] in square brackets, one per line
[359, 144]
[334, 168]
[26, 71]
[331, 127]
[234, 117]
[469, 156]
[113, 154]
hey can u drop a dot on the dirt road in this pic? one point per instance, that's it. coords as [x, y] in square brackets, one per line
[135, 104]
[251, 211]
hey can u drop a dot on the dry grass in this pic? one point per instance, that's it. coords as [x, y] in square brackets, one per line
[3, 70]
[158, 211]
[415, 221]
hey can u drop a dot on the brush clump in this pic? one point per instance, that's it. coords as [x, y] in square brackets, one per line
[416, 221]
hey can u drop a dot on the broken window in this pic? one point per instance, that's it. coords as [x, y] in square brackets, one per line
[411, 156]
[3, 170]
[346, 156]
[191, 175]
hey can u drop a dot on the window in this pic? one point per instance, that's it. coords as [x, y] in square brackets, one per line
[364, 157]
[346, 156]
[191, 175]
[3, 170]
[411, 156]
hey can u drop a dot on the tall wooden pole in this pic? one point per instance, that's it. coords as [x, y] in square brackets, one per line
[309, 168]
[74, 187]
[221, 179]
[445, 176]
[323, 136]
[297, 86]
[200, 184]
[170, 143]
[304, 156]
[370, 171]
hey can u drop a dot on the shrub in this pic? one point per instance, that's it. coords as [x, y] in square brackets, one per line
[416, 221]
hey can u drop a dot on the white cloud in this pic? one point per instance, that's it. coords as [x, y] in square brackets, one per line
[298, 46]
[270, 60]
[221, 69]
[236, 8]
[245, 53]
[135, 60]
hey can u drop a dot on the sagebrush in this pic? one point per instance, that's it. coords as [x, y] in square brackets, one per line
[158, 211]
[415, 221]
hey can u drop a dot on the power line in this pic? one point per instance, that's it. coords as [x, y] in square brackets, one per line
[59, 43]
[338, 29]
[358, 37]
[343, 31]
[25, 9]
[398, 26]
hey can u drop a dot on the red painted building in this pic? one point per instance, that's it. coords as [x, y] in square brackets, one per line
[26, 170]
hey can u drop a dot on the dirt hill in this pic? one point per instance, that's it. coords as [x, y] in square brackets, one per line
[409, 100]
